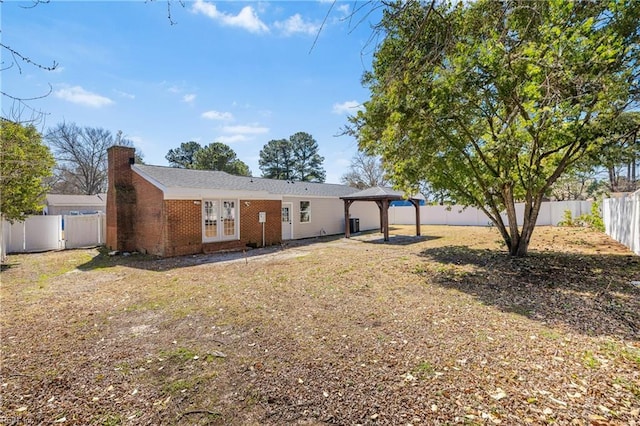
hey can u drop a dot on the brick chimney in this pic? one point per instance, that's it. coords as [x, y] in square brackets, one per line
[121, 199]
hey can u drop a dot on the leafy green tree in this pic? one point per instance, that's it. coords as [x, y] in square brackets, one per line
[184, 156]
[276, 160]
[218, 156]
[364, 172]
[620, 153]
[25, 162]
[296, 158]
[307, 162]
[492, 101]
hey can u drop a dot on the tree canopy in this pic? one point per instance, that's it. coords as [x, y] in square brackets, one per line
[218, 156]
[25, 162]
[276, 160]
[296, 158]
[620, 153]
[183, 156]
[81, 156]
[491, 102]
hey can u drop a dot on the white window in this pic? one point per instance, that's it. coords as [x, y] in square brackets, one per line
[305, 211]
[219, 220]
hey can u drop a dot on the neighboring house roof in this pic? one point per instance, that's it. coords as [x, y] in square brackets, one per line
[175, 181]
[76, 200]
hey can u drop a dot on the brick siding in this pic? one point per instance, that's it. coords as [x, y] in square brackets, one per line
[121, 201]
[183, 222]
[251, 228]
[149, 217]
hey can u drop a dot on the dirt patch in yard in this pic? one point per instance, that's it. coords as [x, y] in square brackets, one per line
[439, 329]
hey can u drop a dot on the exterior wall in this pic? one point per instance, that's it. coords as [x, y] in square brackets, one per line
[183, 227]
[251, 228]
[367, 212]
[174, 227]
[148, 228]
[327, 216]
[121, 200]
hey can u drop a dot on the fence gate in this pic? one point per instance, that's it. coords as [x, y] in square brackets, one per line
[44, 233]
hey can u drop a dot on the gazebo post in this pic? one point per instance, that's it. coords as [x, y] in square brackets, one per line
[347, 231]
[385, 218]
[416, 204]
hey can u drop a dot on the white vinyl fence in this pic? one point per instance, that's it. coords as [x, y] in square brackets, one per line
[622, 220]
[43, 233]
[551, 213]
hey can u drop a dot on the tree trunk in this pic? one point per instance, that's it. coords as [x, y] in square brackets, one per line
[530, 216]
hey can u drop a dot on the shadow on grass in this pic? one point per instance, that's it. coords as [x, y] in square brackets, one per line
[155, 263]
[402, 240]
[6, 266]
[590, 294]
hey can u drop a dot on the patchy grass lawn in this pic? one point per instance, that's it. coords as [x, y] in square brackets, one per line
[442, 329]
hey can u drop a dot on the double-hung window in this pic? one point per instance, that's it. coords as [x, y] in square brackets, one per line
[305, 211]
[219, 220]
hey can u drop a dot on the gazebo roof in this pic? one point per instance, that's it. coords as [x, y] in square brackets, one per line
[380, 193]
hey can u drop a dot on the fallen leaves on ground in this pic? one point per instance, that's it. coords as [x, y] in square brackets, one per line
[440, 329]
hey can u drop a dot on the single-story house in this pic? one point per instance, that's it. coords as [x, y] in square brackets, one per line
[169, 211]
[67, 204]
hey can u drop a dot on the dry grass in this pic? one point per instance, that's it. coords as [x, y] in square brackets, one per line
[443, 329]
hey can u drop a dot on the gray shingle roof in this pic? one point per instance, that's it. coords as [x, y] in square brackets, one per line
[175, 178]
[380, 192]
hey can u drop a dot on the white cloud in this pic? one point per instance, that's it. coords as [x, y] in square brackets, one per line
[348, 107]
[125, 94]
[247, 18]
[229, 139]
[189, 97]
[78, 95]
[217, 115]
[344, 9]
[251, 129]
[296, 24]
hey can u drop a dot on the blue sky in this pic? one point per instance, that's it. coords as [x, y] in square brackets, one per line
[241, 73]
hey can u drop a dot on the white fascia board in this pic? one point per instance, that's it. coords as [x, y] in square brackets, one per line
[149, 179]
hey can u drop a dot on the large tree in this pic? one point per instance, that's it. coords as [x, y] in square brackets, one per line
[276, 160]
[307, 161]
[296, 158]
[183, 156]
[218, 156]
[492, 101]
[365, 171]
[81, 155]
[25, 163]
